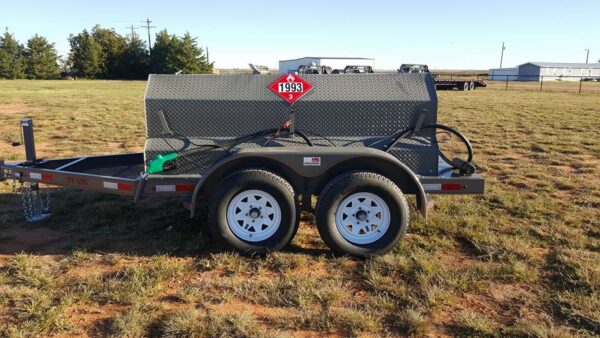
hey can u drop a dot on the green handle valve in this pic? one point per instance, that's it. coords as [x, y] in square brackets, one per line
[157, 165]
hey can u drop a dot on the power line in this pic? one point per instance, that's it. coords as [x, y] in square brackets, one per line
[502, 54]
[147, 26]
[587, 55]
[132, 27]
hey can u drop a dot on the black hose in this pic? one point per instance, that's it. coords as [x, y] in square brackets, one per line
[227, 146]
[400, 135]
[320, 136]
[266, 132]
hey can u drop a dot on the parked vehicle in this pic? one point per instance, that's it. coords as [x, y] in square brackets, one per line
[442, 84]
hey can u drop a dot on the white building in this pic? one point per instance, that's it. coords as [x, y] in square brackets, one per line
[290, 66]
[501, 74]
[535, 71]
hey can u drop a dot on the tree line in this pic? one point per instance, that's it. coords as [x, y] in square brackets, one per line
[102, 53]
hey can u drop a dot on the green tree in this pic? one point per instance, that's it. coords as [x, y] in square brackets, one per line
[86, 57]
[134, 61]
[113, 45]
[12, 62]
[187, 57]
[172, 54]
[41, 59]
[160, 51]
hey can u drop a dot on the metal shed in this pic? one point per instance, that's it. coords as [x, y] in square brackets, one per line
[534, 71]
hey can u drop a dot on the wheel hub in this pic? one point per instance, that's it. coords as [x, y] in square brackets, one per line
[361, 215]
[254, 213]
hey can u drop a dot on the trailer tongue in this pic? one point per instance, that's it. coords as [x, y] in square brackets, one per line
[258, 148]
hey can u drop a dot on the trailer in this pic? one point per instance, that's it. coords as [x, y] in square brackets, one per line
[442, 84]
[261, 149]
[460, 84]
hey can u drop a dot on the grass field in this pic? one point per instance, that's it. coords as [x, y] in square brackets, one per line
[521, 260]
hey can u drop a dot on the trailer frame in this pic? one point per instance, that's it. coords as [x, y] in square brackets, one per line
[123, 174]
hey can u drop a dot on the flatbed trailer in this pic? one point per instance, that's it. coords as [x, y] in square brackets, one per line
[257, 186]
[460, 84]
[442, 84]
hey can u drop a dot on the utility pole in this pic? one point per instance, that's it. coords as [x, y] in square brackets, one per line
[587, 55]
[132, 27]
[207, 56]
[502, 54]
[147, 26]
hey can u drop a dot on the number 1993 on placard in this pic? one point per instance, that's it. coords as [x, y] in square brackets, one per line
[290, 87]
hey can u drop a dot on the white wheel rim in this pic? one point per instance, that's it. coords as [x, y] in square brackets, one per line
[253, 215]
[362, 218]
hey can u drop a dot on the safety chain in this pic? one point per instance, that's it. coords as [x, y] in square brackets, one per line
[27, 201]
[34, 204]
[46, 206]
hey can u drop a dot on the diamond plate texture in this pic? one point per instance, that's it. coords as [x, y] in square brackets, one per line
[349, 109]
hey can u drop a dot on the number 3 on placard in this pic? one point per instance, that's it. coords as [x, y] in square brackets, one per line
[291, 97]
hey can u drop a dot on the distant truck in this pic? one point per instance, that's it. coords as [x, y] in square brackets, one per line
[312, 68]
[442, 84]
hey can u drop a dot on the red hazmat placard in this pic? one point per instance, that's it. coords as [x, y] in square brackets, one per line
[290, 87]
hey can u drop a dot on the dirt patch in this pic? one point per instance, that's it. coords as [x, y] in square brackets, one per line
[90, 319]
[265, 314]
[508, 292]
[461, 257]
[21, 238]
[17, 109]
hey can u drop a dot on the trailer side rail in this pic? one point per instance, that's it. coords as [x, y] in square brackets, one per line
[120, 174]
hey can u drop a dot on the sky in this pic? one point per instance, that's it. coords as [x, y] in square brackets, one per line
[443, 34]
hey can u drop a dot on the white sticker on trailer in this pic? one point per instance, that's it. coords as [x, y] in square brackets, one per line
[432, 186]
[36, 176]
[165, 188]
[313, 161]
[110, 185]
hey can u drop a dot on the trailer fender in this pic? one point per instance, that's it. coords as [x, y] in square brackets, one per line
[310, 179]
[387, 166]
[213, 175]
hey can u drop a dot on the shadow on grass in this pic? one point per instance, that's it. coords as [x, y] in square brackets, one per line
[574, 286]
[95, 222]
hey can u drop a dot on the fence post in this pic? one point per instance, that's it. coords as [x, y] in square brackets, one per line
[506, 82]
[580, 82]
[541, 83]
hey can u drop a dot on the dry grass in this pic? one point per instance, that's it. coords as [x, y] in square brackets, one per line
[521, 260]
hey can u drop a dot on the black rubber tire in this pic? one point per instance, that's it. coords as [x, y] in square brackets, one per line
[465, 86]
[342, 186]
[258, 179]
[471, 85]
